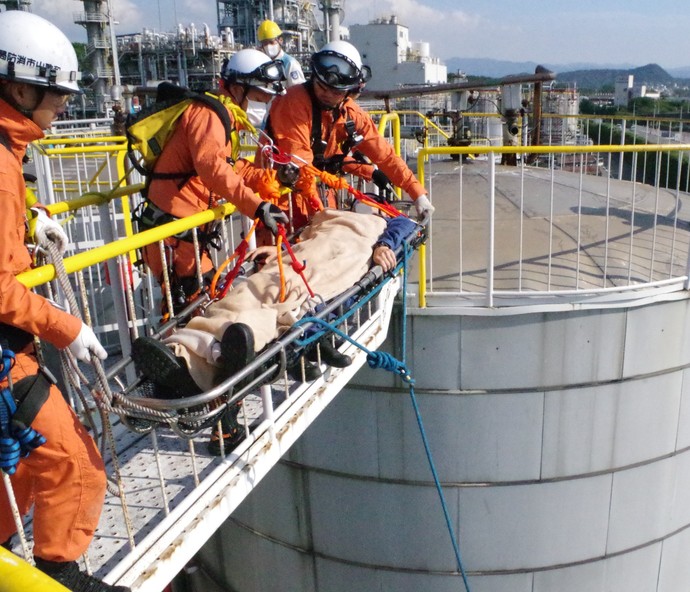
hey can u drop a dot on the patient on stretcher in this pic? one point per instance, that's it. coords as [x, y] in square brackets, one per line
[337, 247]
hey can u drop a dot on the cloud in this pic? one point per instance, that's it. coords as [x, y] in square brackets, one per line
[424, 22]
[127, 14]
[61, 12]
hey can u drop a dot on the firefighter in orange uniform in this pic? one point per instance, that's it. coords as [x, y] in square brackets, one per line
[249, 79]
[325, 101]
[63, 478]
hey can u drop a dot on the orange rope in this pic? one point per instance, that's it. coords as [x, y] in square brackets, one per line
[306, 185]
[268, 186]
[336, 182]
[333, 181]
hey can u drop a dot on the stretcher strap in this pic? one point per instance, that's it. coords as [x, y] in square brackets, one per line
[384, 207]
[297, 267]
[240, 253]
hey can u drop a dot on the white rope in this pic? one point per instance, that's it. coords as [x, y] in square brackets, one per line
[17, 517]
[74, 374]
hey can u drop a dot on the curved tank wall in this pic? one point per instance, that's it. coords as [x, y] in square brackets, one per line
[562, 440]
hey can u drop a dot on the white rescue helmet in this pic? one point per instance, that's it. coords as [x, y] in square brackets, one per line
[35, 51]
[253, 68]
[339, 65]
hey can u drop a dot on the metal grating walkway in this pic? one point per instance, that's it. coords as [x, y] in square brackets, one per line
[202, 490]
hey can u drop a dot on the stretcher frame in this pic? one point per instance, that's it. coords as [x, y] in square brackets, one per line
[187, 416]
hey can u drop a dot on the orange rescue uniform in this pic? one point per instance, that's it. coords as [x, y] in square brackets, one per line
[64, 479]
[290, 126]
[198, 143]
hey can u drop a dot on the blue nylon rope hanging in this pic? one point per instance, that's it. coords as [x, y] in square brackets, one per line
[425, 441]
[388, 362]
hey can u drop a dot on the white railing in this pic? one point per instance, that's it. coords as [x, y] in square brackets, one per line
[550, 233]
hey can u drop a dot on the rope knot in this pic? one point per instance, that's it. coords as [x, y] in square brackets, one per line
[378, 359]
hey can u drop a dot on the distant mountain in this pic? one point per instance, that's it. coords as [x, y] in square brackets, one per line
[499, 68]
[651, 75]
[680, 72]
[589, 76]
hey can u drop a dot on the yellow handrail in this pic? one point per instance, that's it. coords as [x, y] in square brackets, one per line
[46, 273]
[16, 575]
[394, 120]
[49, 140]
[92, 198]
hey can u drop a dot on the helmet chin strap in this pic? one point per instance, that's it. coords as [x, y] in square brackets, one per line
[245, 91]
[26, 112]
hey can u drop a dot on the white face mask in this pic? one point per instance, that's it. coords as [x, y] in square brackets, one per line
[272, 50]
[256, 113]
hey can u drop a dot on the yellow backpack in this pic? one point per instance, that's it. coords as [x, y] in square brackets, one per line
[149, 130]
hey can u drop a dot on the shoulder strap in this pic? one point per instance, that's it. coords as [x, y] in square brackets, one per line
[220, 109]
[318, 146]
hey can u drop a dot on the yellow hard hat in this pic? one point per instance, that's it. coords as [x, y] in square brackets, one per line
[268, 30]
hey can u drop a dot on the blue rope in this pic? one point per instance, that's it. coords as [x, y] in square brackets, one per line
[304, 341]
[425, 441]
[16, 441]
[386, 361]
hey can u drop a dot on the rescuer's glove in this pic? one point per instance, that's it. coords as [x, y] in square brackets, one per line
[379, 179]
[423, 206]
[48, 231]
[271, 215]
[86, 344]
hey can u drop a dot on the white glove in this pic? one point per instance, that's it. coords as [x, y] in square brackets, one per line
[48, 230]
[85, 344]
[423, 206]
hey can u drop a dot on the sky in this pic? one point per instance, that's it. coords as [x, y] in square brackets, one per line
[606, 32]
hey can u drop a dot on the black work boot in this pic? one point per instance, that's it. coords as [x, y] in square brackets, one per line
[7, 544]
[231, 433]
[329, 354]
[236, 352]
[310, 373]
[157, 362]
[68, 574]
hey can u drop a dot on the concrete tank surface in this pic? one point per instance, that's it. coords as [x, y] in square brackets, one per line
[562, 441]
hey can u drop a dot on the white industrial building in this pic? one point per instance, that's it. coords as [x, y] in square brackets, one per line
[395, 61]
[626, 90]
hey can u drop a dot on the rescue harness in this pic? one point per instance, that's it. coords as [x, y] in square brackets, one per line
[19, 405]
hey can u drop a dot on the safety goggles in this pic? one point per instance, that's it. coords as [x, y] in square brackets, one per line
[271, 74]
[336, 70]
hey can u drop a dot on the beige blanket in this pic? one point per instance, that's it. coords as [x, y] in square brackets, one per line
[336, 248]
